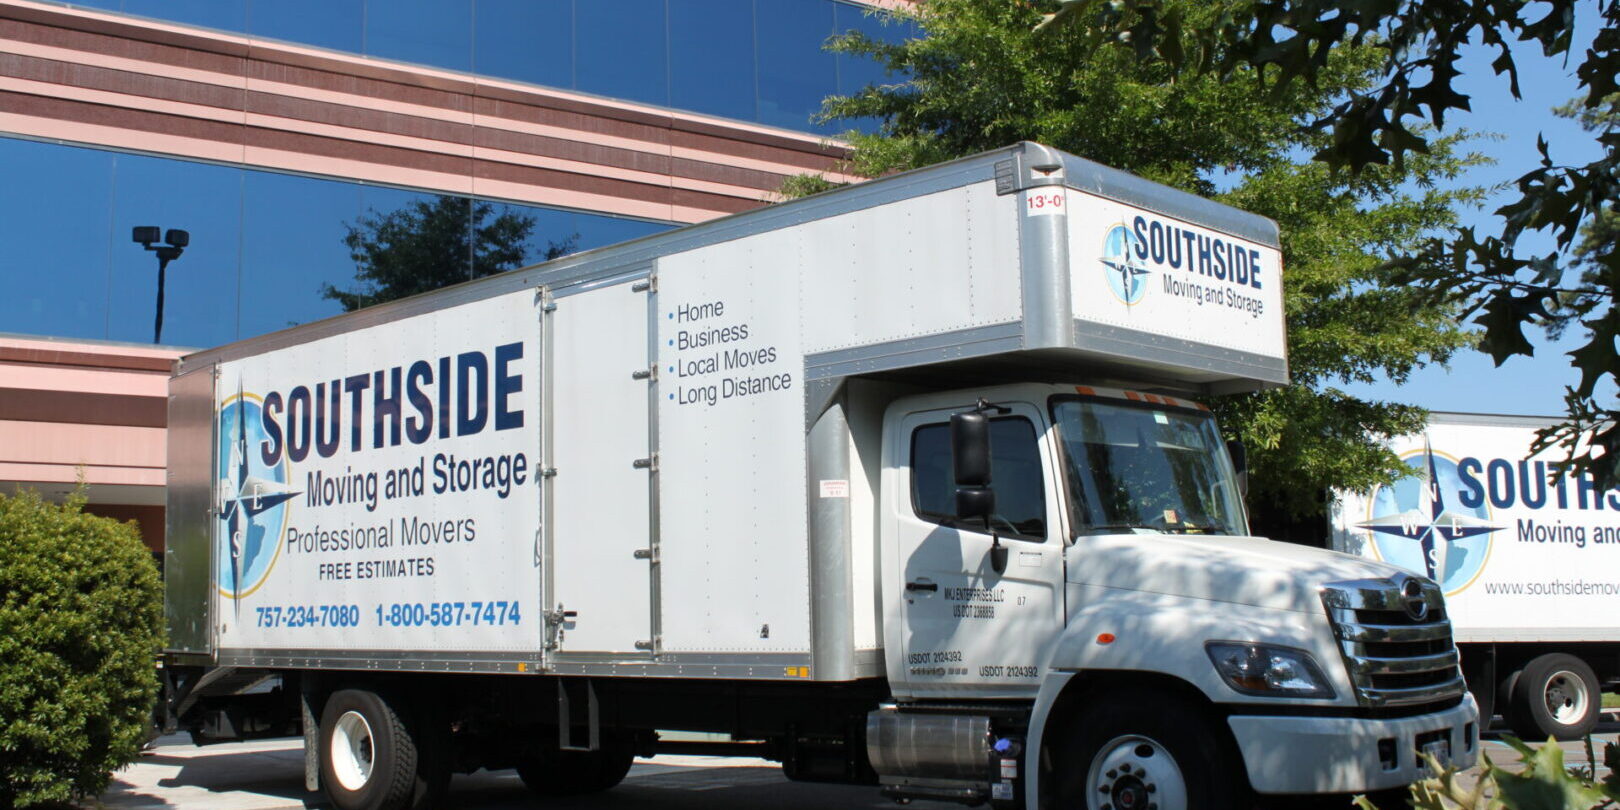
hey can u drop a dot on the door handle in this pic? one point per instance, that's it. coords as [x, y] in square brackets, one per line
[922, 586]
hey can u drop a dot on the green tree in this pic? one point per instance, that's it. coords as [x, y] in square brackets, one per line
[1295, 42]
[433, 243]
[982, 78]
[81, 623]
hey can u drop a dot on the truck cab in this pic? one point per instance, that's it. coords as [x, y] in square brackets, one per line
[1163, 647]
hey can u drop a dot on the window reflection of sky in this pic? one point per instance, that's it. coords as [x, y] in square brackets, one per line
[262, 244]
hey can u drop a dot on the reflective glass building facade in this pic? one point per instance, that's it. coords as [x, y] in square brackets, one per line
[268, 129]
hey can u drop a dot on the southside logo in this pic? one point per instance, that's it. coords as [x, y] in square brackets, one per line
[1423, 523]
[252, 495]
[1124, 270]
[1203, 267]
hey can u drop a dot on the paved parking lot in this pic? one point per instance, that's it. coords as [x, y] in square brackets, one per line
[270, 776]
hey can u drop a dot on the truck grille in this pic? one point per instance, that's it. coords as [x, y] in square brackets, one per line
[1395, 639]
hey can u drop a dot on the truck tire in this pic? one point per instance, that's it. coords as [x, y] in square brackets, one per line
[1132, 748]
[574, 773]
[1555, 695]
[368, 758]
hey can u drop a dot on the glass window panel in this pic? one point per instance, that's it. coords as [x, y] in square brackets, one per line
[200, 307]
[427, 32]
[108, 5]
[547, 233]
[711, 58]
[292, 246]
[619, 49]
[857, 72]
[56, 230]
[599, 231]
[1015, 475]
[226, 15]
[794, 72]
[527, 40]
[335, 24]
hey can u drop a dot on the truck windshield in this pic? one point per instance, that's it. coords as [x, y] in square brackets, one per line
[1145, 468]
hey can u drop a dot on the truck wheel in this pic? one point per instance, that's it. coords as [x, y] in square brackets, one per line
[572, 773]
[368, 759]
[1143, 749]
[1555, 695]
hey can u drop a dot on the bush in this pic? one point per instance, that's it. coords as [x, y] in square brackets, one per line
[81, 619]
[1542, 782]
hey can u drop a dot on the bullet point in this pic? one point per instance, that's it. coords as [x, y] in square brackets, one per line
[672, 343]
[672, 369]
[671, 396]
[672, 316]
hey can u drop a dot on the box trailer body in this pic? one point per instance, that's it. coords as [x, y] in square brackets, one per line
[1522, 551]
[716, 465]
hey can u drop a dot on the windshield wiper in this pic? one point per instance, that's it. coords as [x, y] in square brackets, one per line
[1163, 528]
[1098, 528]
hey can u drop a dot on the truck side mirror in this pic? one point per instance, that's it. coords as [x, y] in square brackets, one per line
[970, 462]
[970, 448]
[1240, 464]
[975, 502]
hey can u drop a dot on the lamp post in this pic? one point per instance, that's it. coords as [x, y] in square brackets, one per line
[177, 241]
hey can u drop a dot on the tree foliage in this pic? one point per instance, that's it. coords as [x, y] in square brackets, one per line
[433, 243]
[1294, 43]
[982, 79]
[81, 623]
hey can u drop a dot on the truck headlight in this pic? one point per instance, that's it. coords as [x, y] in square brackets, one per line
[1268, 671]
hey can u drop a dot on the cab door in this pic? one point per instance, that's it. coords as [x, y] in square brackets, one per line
[965, 629]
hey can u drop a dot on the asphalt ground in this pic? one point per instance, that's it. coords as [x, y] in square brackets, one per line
[269, 775]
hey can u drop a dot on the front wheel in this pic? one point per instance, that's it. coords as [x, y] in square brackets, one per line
[1555, 695]
[1138, 749]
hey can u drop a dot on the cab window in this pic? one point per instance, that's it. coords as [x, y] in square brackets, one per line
[1015, 474]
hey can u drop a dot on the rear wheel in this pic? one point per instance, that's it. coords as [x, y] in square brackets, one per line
[368, 758]
[572, 773]
[1555, 695]
[1140, 749]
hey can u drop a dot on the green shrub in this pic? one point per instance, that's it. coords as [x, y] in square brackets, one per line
[1542, 782]
[81, 619]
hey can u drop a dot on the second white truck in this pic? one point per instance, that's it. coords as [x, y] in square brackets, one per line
[1529, 559]
[905, 484]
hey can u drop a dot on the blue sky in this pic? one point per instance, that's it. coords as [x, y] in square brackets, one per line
[1522, 385]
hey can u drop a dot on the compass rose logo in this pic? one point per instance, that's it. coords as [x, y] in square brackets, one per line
[1123, 270]
[251, 498]
[1413, 524]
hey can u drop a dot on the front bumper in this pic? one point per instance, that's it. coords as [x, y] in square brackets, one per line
[1344, 755]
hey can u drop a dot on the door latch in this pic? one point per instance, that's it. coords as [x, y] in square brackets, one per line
[554, 625]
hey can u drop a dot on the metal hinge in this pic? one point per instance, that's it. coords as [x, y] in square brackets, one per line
[643, 373]
[645, 554]
[648, 463]
[649, 645]
[548, 472]
[650, 285]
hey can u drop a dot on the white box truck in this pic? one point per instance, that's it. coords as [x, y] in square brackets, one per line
[902, 484]
[1529, 560]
